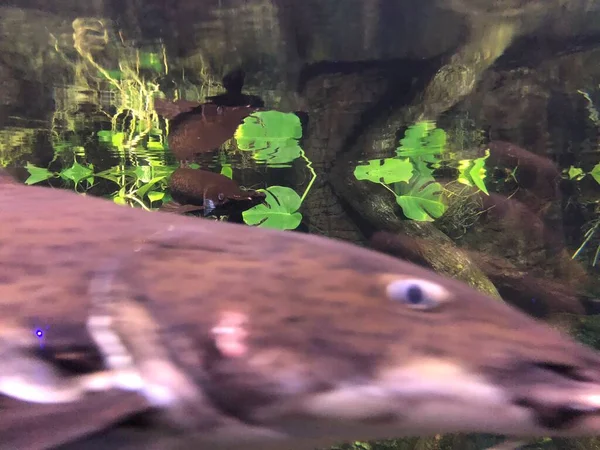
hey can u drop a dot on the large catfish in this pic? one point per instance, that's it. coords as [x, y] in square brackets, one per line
[123, 329]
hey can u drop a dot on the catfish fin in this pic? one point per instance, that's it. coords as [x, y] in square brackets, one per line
[209, 206]
[37, 426]
[177, 208]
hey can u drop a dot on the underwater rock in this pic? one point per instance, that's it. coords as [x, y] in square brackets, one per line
[210, 193]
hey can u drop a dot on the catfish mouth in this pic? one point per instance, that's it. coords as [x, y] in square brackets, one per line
[559, 396]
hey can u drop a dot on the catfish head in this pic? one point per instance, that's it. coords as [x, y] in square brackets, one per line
[239, 337]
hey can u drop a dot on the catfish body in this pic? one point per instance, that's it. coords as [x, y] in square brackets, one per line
[235, 337]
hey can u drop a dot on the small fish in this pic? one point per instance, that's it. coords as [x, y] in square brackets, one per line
[169, 332]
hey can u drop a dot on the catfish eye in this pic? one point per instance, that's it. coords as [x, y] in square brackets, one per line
[417, 293]
[221, 196]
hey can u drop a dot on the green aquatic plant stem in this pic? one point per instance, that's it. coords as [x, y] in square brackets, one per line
[312, 172]
[588, 236]
[388, 188]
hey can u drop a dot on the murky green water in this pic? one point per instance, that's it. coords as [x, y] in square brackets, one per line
[470, 123]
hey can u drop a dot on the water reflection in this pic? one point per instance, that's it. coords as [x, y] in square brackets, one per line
[512, 85]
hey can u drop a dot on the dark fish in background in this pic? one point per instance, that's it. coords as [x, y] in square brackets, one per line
[233, 82]
[197, 128]
[210, 193]
[537, 175]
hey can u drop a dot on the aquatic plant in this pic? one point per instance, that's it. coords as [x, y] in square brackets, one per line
[120, 88]
[273, 137]
[15, 143]
[135, 185]
[410, 172]
[593, 226]
[118, 82]
[279, 211]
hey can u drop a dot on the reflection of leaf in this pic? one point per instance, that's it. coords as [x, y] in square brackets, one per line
[595, 173]
[109, 137]
[478, 172]
[272, 134]
[117, 139]
[77, 172]
[151, 61]
[389, 170]
[143, 173]
[155, 145]
[281, 156]
[423, 201]
[37, 174]
[104, 135]
[279, 211]
[422, 140]
[473, 172]
[422, 170]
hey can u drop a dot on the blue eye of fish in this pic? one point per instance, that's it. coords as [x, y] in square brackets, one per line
[416, 293]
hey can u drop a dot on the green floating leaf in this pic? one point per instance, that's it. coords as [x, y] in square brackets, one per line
[37, 174]
[155, 196]
[575, 173]
[77, 172]
[119, 197]
[280, 210]
[145, 188]
[595, 173]
[227, 170]
[273, 135]
[423, 201]
[389, 170]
